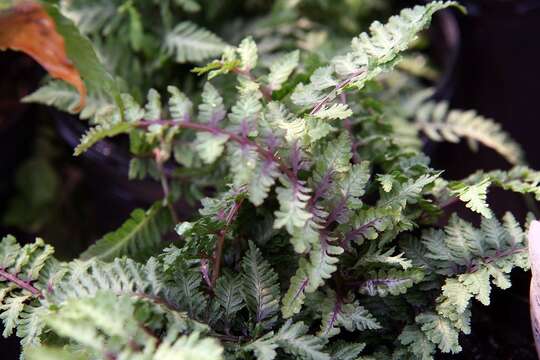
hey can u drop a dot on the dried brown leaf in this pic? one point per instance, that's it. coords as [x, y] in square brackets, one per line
[28, 28]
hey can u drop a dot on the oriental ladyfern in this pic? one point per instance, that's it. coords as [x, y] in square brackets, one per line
[324, 237]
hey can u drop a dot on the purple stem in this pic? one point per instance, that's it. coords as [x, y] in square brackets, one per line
[213, 130]
[489, 259]
[336, 211]
[21, 283]
[266, 91]
[354, 233]
[348, 126]
[320, 190]
[335, 312]
[331, 95]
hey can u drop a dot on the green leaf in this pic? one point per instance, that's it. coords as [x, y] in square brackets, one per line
[280, 119]
[191, 6]
[228, 295]
[11, 309]
[351, 316]
[80, 50]
[323, 258]
[390, 282]
[295, 295]
[264, 347]
[260, 287]
[211, 109]
[98, 133]
[243, 161]
[439, 124]
[248, 54]
[246, 110]
[475, 197]
[342, 350]
[153, 105]
[189, 43]
[336, 111]
[64, 97]
[417, 343]
[190, 347]
[210, 146]
[334, 160]
[387, 181]
[264, 178]
[187, 292]
[292, 212]
[138, 237]
[440, 331]
[180, 106]
[282, 68]
[408, 193]
[293, 339]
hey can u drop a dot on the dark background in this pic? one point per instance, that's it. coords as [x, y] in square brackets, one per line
[492, 67]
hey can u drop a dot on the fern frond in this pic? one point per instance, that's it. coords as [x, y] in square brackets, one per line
[185, 289]
[191, 6]
[440, 124]
[337, 313]
[282, 68]
[370, 55]
[137, 238]
[98, 133]
[66, 98]
[211, 109]
[210, 146]
[294, 340]
[390, 282]
[375, 255]
[368, 224]
[265, 177]
[247, 50]
[264, 347]
[180, 106]
[260, 287]
[292, 198]
[475, 197]
[191, 347]
[333, 160]
[294, 297]
[80, 279]
[407, 193]
[108, 323]
[439, 331]
[341, 350]
[281, 120]
[519, 179]
[246, 110]
[463, 245]
[334, 112]
[417, 343]
[310, 275]
[229, 295]
[21, 273]
[189, 43]
[323, 258]
[353, 184]
[11, 309]
[31, 324]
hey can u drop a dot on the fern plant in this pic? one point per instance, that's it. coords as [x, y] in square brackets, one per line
[162, 37]
[324, 238]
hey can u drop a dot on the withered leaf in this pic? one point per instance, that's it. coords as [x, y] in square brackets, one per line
[28, 28]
